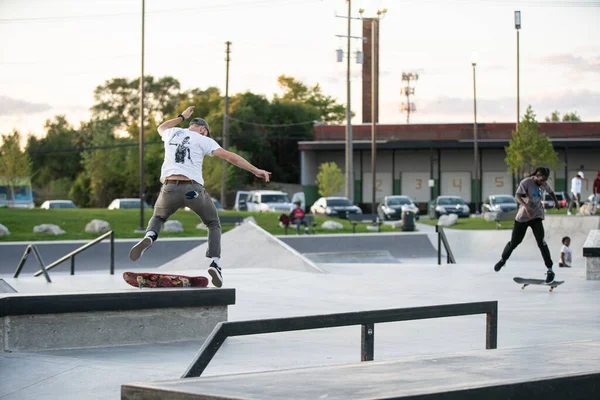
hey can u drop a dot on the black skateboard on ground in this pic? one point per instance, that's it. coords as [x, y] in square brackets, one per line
[527, 282]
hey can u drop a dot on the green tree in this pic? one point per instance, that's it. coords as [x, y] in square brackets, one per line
[14, 162]
[529, 148]
[329, 179]
[328, 108]
[555, 117]
[118, 99]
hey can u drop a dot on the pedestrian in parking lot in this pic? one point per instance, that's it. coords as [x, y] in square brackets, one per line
[566, 255]
[596, 192]
[183, 184]
[530, 193]
[575, 192]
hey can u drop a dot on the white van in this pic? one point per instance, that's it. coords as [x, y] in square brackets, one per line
[269, 201]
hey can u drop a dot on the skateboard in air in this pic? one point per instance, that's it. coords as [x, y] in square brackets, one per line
[527, 282]
[154, 280]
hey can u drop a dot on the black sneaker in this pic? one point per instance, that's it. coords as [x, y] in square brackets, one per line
[136, 251]
[215, 272]
[499, 265]
[549, 277]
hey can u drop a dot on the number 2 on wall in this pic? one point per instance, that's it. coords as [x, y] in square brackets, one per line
[378, 183]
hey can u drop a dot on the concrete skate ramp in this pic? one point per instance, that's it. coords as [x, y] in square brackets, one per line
[5, 287]
[246, 246]
[487, 245]
[557, 371]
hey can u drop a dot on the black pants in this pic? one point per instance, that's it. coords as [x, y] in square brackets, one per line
[518, 233]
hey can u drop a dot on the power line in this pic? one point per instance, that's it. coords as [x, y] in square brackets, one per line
[312, 122]
[178, 11]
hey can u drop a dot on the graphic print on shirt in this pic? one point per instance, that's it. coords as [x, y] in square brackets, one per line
[536, 196]
[182, 150]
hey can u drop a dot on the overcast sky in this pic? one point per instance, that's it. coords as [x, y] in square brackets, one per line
[54, 53]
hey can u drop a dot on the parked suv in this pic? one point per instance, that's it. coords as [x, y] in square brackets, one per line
[269, 201]
[562, 198]
[392, 206]
[499, 203]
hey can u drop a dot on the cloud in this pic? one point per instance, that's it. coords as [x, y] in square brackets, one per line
[10, 106]
[575, 62]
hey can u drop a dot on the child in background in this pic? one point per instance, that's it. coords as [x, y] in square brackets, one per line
[565, 253]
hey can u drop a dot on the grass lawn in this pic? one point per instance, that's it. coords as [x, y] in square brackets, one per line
[20, 223]
[480, 223]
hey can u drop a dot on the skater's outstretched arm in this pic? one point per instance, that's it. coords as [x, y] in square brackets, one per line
[241, 162]
[175, 121]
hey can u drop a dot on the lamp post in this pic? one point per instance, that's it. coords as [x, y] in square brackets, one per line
[518, 28]
[141, 155]
[475, 149]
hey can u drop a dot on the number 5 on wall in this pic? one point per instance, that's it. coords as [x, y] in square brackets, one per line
[499, 181]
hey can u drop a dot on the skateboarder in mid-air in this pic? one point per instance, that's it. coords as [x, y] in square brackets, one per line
[530, 194]
[183, 184]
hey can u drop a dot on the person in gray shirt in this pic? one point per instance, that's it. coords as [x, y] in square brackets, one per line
[530, 193]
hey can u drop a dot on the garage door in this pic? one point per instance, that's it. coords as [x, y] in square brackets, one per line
[416, 186]
[498, 182]
[457, 184]
[384, 186]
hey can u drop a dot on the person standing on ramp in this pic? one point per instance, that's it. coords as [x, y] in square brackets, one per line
[530, 194]
[183, 185]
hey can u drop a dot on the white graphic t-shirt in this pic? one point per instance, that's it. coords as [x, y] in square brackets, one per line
[568, 254]
[184, 153]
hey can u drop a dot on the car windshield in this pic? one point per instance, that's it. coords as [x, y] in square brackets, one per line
[63, 204]
[398, 201]
[449, 201]
[504, 200]
[338, 203]
[275, 198]
[130, 203]
[217, 204]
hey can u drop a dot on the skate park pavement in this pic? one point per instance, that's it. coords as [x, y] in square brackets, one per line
[530, 317]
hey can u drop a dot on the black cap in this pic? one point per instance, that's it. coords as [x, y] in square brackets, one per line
[200, 121]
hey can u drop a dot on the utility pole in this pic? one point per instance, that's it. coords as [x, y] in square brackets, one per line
[407, 91]
[518, 28]
[141, 155]
[349, 149]
[225, 127]
[475, 145]
[374, 27]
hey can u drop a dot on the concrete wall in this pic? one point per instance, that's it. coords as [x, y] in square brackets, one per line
[108, 328]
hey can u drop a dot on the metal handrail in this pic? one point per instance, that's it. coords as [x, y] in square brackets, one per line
[44, 270]
[366, 319]
[442, 239]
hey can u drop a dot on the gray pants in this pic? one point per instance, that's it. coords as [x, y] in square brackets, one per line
[172, 197]
[574, 202]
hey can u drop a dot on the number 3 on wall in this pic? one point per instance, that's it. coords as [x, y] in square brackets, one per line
[499, 181]
[419, 183]
[459, 186]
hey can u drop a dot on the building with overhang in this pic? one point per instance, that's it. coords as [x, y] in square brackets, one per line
[426, 160]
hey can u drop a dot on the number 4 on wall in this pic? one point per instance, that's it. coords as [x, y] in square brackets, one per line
[459, 186]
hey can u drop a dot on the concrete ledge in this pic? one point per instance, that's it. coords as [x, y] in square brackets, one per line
[591, 252]
[30, 322]
[557, 371]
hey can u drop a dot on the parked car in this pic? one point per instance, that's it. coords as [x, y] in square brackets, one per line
[241, 200]
[561, 197]
[126, 203]
[392, 206]
[299, 197]
[499, 203]
[444, 205]
[334, 207]
[269, 201]
[58, 204]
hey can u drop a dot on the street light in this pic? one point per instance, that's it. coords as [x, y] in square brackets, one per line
[374, 67]
[475, 152]
[518, 28]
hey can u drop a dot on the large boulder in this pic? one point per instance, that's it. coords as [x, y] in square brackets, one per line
[97, 226]
[333, 225]
[4, 230]
[173, 226]
[448, 220]
[48, 228]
